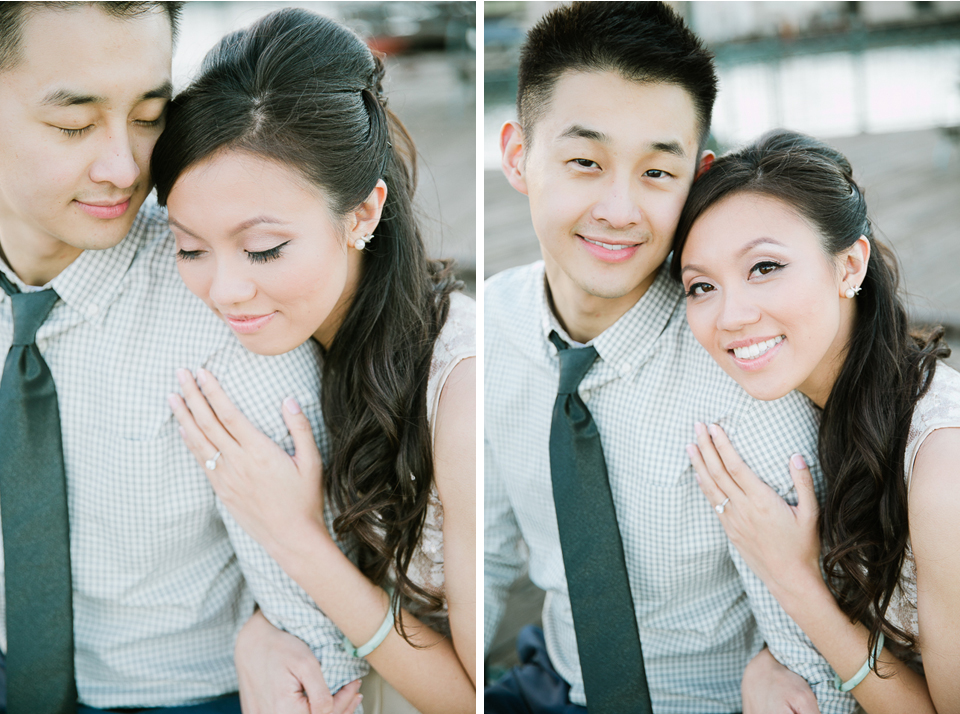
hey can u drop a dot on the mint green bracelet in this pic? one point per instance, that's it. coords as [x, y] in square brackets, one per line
[864, 670]
[378, 637]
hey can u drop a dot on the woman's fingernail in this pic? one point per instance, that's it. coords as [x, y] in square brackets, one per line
[713, 429]
[172, 400]
[689, 448]
[798, 462]
[182, 376]
[183, 432]
[290, 404]
[201, 376]
[698, 427]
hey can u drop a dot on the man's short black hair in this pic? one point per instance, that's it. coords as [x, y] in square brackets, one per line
[14, 14]
[640, 41]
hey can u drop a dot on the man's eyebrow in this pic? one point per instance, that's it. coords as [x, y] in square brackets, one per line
[67, 98]
[669, 147]
[578, 131]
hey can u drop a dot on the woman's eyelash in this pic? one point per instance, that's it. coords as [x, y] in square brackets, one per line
[264, 256]
[692, 292]
[766, 267]
[188, 254]
[74, 132]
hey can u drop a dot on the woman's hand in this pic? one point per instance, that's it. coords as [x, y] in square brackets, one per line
[770, 688]
[272, 495]
[278, 674]
[778, 541]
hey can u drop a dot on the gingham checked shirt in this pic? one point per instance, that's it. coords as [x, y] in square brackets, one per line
[163, 578]
[701, 612]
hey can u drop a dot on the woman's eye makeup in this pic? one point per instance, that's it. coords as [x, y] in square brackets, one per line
[765, 267]
[263, 256]
[697, 289]
[188, 254]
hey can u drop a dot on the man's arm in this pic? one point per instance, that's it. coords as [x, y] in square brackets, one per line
[766, 436]
[502, 560]
[258, 386]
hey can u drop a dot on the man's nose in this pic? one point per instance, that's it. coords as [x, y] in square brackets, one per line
[116, 162]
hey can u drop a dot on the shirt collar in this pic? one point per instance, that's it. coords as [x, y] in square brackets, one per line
[92, 282]
[631, 340]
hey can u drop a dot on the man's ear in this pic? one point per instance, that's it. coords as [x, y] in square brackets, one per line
[512, 152]
[854, 265]
[706, 161]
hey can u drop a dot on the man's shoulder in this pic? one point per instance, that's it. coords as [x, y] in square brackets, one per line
[512, 296]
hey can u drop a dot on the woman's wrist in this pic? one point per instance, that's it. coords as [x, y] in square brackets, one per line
[303, 548]
[799, 589]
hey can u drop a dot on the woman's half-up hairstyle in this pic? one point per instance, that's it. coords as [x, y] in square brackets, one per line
[304, 91]
[865, 421]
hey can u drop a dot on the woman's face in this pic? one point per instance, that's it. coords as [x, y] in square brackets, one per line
[257, 243]
[764, 299]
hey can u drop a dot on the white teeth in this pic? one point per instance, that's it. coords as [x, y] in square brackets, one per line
[608, 246]
[755, 350]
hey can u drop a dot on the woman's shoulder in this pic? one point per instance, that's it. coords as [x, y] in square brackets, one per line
[937, 409]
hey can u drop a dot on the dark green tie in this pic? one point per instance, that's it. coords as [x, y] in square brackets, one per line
[608, 641]
[36, 529]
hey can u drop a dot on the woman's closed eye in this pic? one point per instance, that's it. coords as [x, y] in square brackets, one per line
[188, 254]
[263, 256]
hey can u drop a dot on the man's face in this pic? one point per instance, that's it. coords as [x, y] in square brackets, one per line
[609, 168]
[80, 113]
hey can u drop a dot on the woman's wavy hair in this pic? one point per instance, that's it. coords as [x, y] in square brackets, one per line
[304, 91]
[865, 421]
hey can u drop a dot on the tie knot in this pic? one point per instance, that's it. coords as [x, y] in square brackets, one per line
[29, 312]
[575, 362]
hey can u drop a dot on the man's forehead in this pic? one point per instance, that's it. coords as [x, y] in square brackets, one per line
[607, 108]
[84, 56]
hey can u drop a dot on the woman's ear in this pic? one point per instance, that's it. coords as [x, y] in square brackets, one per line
[853, 265]
[363, 220]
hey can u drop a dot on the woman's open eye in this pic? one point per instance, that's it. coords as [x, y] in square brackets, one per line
[264, 256]
[697, 289]
[586, 163]
[188, 254]
[765, 267]
[656, 173]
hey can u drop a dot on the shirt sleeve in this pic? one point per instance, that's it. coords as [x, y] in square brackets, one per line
[503, 561]
[258, 385]
[767, 435]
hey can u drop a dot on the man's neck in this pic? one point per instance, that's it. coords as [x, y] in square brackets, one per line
[35, 260]
[586, 316]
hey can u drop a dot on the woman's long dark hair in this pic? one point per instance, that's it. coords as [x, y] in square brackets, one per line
[866, 419]
[304, 91]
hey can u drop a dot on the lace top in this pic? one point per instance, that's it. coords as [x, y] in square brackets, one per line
[456, 342]
[939, 408]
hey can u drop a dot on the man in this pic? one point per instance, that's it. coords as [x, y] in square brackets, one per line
[93, 314]
[614, 104]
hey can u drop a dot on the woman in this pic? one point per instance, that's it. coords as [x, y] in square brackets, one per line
[787, 289]
[289, 188]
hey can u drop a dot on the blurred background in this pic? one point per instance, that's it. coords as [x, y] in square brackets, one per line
[878, 80]
[430, 83]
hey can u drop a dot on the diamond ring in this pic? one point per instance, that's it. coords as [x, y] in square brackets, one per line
[719, 508]
[212, 464]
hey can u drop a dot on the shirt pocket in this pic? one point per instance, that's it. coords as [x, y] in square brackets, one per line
[142, 516]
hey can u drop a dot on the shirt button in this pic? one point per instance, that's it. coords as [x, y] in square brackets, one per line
[625, 369]
[585, 395]
[92, 310]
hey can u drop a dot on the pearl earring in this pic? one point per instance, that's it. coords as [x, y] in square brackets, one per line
[852, 292]
[360, 243]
